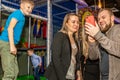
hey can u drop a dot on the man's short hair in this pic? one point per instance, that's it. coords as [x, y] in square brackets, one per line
[106, 9]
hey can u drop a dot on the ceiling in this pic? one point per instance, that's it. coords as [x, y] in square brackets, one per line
[61, 7]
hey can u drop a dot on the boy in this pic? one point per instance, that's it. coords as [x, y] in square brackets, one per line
[36, 62]
[10, 37]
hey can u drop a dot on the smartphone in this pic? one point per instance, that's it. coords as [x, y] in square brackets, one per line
[90, 19]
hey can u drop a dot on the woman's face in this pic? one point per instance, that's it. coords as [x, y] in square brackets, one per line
[73, 24]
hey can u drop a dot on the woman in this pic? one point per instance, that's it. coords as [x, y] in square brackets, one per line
[64, 50]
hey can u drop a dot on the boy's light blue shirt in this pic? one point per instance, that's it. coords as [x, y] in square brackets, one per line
[36, 60]
[19, 16]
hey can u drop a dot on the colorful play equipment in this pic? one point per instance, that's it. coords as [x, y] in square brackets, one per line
[1, 28]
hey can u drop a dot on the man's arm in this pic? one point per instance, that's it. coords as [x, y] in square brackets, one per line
[112, 46]
[11, 26]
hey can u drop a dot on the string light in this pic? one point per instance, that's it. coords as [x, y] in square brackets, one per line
[99, 4]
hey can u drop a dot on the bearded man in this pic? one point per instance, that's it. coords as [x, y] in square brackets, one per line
[104, 43]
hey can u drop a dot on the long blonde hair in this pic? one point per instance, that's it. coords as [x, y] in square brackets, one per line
[84, 36]
[66, 18]
[64, 28]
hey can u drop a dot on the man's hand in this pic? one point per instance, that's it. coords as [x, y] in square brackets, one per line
[91, 29]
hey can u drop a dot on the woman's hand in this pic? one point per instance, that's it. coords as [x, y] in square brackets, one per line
[79, 75]
[91, 39]
[79, 78]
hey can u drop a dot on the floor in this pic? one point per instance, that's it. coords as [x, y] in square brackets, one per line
[28, 78]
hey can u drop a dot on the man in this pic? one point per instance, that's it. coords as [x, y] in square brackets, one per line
[104, 43]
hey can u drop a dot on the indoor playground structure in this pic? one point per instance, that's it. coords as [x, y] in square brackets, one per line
[40, 27]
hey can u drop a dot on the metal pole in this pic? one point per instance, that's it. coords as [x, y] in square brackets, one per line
[49, 30]
[31, 15]
[0, 13]
[76, 8]
[29, 44]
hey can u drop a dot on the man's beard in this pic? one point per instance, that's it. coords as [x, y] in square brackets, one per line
[107, 27]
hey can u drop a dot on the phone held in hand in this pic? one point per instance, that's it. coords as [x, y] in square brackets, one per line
[90, 19]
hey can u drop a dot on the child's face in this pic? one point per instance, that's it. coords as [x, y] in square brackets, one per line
[30, 52]
[26, 8]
